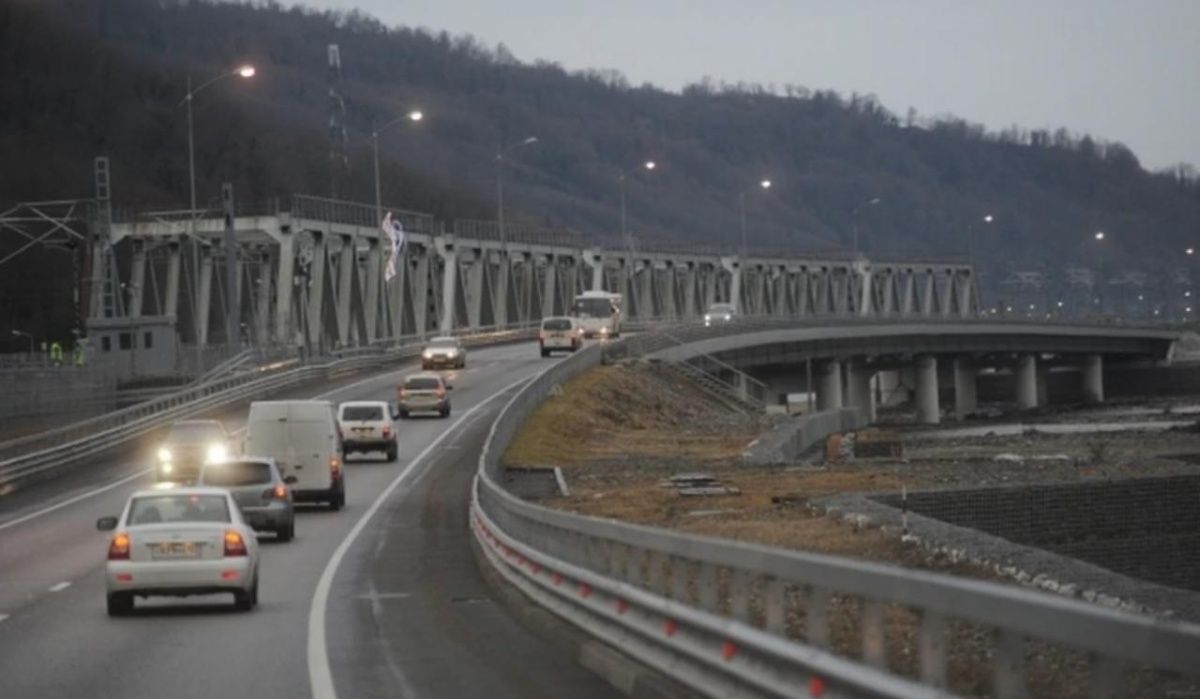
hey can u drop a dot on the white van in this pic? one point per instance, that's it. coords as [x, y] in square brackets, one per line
[302, 436]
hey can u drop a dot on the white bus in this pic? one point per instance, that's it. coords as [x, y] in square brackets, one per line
[599, 313]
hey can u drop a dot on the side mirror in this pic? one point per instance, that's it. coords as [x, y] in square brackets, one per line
[449, 387]
[106, 524]
[290, 480]
[394, 411]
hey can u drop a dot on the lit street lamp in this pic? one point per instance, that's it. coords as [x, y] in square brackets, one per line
[987, 218]
[764, 184]
[1099, 235]
[648, 165]
[501, 151]
[244, 71]
[413, 116]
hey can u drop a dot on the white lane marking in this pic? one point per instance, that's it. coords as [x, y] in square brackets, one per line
[3, 617]
[139, 474]
[320, 677]
[77, 498]
[59, 587]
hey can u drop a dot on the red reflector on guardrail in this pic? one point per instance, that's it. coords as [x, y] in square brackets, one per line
[816, 686]
[728, 650]
[585, 590]
[670, 627]
[622, 606]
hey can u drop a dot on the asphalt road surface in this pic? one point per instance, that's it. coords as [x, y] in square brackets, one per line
[381, 599]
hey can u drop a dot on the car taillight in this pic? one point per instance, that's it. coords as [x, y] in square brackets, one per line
[441, 393]
[118, 548]
[541, 336]
[335, 467]
[387, 432]
[235, 545]
[403, 393]
[279, 492]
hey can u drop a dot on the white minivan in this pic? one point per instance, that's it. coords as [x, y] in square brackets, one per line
[303, 438]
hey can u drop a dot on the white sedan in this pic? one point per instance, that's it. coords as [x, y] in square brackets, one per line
[178, 542]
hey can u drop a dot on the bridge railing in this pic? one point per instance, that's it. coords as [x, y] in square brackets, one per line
[358, 214]
[731, 618]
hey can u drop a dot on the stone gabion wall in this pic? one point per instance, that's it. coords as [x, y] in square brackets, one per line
[1147, 528]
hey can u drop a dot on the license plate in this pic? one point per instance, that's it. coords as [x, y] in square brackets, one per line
[175, 549]
[360, 430]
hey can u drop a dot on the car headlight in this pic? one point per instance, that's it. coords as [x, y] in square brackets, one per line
[217, 452]
[707, 318]
[452, 353]
[604, 330]
[728, 317]
[167, 467]
[164, 454]
[428, 354]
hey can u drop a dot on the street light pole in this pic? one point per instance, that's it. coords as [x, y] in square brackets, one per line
[501, 151]
[413, 115]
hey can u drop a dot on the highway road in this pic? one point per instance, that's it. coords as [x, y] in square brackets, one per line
[382, 599]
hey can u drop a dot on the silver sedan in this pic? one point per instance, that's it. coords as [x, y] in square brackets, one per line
[178, 542]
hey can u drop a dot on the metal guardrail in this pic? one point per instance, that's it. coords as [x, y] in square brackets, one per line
[35, 454]
[721, 616]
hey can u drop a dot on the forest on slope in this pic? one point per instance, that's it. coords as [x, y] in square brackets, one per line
[80, 78]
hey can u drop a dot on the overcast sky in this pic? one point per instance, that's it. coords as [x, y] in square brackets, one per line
[1123, 70]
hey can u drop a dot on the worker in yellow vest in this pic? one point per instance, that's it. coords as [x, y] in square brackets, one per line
[56, 353]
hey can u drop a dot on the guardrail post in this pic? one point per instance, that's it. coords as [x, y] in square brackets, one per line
[1105, 680]
[816, 616]
[740, 584]
[775, 607]
[931, 649]
[1009, 677]
[873, 634]
[706, 586]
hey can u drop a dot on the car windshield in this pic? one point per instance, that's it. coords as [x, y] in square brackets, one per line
[362, 412]
[423, 383]
[720, 308]
[556, 324]
[443, 343]
[593, 308]
[180, 507]
[185, 432]
[234, 473]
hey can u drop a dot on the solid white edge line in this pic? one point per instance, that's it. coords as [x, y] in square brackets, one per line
[3, 617]
[320, 677]
[59, 587]
[72, 501]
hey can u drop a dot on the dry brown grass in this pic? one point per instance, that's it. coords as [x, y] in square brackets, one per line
[628, 410]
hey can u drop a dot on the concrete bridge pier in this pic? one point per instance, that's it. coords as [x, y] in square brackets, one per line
[1027, 382]
[858, 388]
[1093, 379]
[829, 385]
[928, 411]
[966, 398]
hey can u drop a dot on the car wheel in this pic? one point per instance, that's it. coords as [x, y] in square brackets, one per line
[286, 533]
[245, 600]
[120, 603]
[338, 501]
[545, 353]
[445, 412]
[393, 452]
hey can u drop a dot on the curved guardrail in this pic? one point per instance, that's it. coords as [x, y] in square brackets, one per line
[37, 454]
[722, 616]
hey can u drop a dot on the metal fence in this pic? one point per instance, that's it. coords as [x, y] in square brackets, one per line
[34, 455]
[737, 619]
